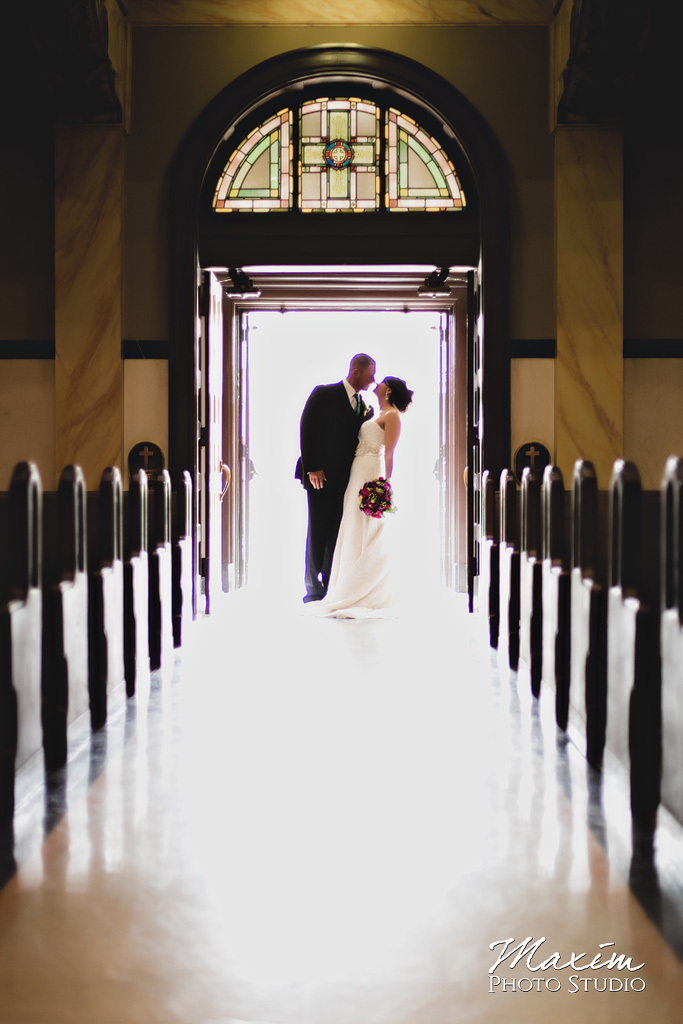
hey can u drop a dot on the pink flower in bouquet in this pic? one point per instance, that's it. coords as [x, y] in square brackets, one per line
[375, 498]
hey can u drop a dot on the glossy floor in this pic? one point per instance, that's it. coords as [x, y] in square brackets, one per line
[331, 822]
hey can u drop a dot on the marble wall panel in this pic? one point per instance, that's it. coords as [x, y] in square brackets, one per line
[348, 12]
[589, 290]
[88, 364]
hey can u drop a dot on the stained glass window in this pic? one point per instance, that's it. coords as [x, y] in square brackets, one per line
[258, 175]
[339, 147]
[345, 162]
[419, 174]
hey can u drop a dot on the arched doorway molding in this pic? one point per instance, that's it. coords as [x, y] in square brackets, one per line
[441, 101]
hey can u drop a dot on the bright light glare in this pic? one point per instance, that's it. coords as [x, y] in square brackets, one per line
[289, 353]
[340, 852]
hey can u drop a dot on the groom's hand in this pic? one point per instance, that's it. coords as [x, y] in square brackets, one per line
[317, 478]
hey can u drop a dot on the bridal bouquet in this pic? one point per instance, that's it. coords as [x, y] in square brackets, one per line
[375, 498]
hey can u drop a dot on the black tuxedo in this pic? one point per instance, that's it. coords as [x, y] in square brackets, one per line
[329, 435]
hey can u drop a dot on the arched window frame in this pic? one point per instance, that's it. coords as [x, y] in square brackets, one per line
[270, 144]
[339, 155]
[479, 237]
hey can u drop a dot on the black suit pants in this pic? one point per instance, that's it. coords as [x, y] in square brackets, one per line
[325, 509]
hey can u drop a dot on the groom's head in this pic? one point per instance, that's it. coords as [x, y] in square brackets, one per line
[361, 372]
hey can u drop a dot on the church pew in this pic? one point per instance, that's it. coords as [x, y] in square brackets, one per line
[633, 669]
[555, 593]
[182, 559]
[21, 621]
[531, 578]
[508, 637]
[65, 633]
[588, 640]
[671, 636]
[105, 563]
[136, 587]
[161, 654]
[489, 596]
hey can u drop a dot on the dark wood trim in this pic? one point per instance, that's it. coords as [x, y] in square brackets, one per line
[653, 348]
[133, 349]
[520, 348]
[450, 240]
[27, 349]
[533, 348]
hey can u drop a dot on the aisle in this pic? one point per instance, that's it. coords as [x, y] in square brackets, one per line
[325, 822]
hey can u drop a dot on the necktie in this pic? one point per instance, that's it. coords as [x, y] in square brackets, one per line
[357, 397]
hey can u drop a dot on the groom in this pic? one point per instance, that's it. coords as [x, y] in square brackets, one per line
[330, 423]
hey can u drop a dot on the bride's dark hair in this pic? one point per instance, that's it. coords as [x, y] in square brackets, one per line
[401, 396]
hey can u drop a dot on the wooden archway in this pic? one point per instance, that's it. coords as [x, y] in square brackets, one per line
[481, 240]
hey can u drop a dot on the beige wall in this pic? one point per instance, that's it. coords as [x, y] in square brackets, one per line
[532, 413]
[28, 384]
[502, 71]
[653, 412]
[145, 405]
[653, 415]
[27, 417]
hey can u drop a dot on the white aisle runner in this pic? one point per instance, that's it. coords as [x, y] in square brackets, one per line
[327, 822]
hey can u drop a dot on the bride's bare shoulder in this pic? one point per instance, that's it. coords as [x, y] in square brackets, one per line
[389, 415]
[383, 416]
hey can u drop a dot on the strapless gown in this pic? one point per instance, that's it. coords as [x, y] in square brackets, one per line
[361, 578]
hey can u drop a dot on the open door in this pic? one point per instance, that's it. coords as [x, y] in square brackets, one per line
[245, 465]
[211, 437]
[453, 448]
[376, 292]
[444, 470]
[474, 428]
[235, 503]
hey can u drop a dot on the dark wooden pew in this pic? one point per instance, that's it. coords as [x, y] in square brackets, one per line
[671, 636]
[105, 562]
[508, 638]
[136, 587]
[21, 621]
[489, 566]
[531, 578]
[182, 559]
[633, 667]
[588, 641]
[556, 595]
[161, 653]
[65, 632]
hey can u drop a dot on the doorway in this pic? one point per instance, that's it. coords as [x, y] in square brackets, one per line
[277, 349]
[288, 356]
[476, 239]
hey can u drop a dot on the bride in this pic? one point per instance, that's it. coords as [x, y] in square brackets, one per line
[361, 577]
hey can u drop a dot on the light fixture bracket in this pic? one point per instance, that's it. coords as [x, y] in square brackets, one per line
[242, 286]
[434, 285]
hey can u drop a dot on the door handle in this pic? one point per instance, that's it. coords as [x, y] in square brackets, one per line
[226, 474]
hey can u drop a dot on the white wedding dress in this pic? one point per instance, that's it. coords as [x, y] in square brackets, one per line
[361, 584]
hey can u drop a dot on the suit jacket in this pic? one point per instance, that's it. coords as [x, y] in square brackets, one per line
[329, 434]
